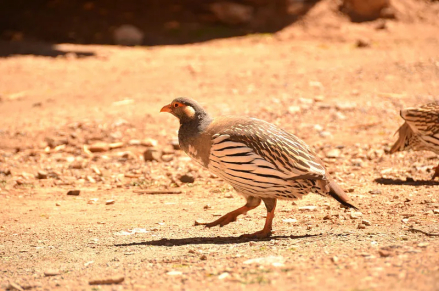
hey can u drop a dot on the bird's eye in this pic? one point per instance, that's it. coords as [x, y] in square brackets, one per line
[176, 105]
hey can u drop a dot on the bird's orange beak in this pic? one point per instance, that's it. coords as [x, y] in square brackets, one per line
[166, 108]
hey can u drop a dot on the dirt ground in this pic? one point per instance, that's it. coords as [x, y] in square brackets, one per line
[342, 99]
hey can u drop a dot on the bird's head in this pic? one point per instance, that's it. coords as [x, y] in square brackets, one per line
[185, 109]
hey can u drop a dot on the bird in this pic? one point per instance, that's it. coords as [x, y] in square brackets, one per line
[420, 131]
[261, 161]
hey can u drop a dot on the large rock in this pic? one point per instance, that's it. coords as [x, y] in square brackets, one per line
[232, 13]
[128, 35]
[364, 10]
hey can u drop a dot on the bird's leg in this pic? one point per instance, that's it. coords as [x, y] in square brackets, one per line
[436, 172]
[252, 203]
[270, 203]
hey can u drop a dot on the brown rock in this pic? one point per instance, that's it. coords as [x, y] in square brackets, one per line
[152, 154]
[42, 174]
[73, 192]
[5, 172]
[149, 142]
[116, 145]
[14, 286]
[187, 178]
[362, 43]
[364, 10]
[51, 272]
[98, 147]
[232, 13]
[175, 144]
[107, 281]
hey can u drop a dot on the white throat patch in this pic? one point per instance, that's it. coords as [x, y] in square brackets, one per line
[189, 111]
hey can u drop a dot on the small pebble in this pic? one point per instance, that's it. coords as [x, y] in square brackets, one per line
[51, 272]
[375, 192]
[366, 222]
[308, 208]
[109, 202]
[42, 174]
[107, 281]
[73, 192]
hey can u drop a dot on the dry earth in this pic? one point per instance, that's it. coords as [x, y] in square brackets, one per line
[342, 99]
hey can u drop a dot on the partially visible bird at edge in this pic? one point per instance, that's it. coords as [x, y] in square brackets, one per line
[261, 161]
[420, 131]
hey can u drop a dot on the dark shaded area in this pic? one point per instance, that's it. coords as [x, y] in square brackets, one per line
[163, 22]
[8, 48]
[408, 182]
[209, 240]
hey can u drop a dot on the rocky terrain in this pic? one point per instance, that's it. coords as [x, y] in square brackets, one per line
[96, 195]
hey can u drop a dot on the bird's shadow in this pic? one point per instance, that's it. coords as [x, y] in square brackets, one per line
[210, 240]
[410, 182]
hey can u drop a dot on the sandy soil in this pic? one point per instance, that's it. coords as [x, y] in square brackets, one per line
[341, 99]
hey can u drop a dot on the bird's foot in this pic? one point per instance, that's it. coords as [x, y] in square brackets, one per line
[265, 233]
[223, 220]
[436, 172]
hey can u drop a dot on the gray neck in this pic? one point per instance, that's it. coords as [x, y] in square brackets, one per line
[189, 130]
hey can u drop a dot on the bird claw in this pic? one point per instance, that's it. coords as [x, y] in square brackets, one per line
[222, 221]
[259, 234]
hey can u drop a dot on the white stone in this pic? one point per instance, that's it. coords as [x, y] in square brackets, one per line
[128, 34]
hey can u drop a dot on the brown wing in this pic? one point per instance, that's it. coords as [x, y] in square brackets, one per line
[284, 151]
[423, 120]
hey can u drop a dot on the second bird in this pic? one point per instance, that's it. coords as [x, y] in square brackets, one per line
[261, 161]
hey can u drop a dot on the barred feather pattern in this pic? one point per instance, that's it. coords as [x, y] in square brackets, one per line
[420, 130]
[262, 160]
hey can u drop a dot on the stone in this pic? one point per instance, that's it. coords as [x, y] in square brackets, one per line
[366, 222]
[276, 261]
[110, 202]
[98, 147]
[436, 211]
[107, 281]
[362, 43]
[5, 172]
[333, 154]
[175, 144]
[232, 13]
[116, 145]
[203, 257]
[128, 34]
[187, 178]
[294, 109]
[376, 192]
[364, 10]
[51, 272]
[149, 142]
[14, 286]
[167, 158]
[174, 273]
[355, 215]
[223, 276]
[289, 220]
[345, 105]
[74, 192]
[384, 253]
[152, 154]
[308, 208]
[42, 174]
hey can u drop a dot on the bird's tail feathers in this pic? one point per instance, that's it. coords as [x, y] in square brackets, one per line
[405, 132]
[338, 194]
